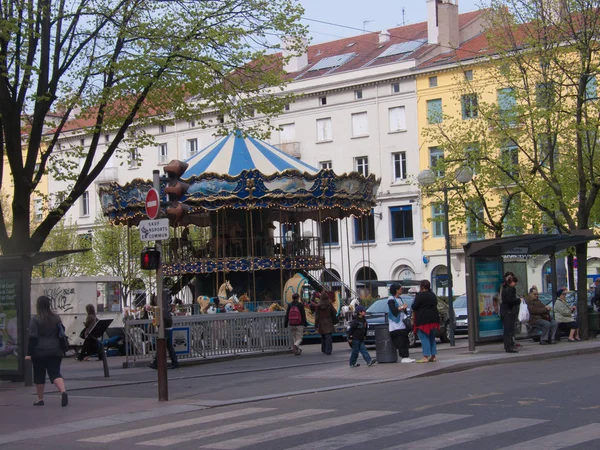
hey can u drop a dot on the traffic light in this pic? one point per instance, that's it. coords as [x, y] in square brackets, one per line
[176, 189]
[150, 259]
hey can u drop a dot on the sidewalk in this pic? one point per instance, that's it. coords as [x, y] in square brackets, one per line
[131, 394]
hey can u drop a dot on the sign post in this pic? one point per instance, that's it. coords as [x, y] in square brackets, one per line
[152, 204]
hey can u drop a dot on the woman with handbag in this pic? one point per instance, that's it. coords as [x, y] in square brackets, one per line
[427, 321]
[90, 345]
[398, 319]
[45, 351]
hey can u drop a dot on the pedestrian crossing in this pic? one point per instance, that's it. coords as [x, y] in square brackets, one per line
[331, 429]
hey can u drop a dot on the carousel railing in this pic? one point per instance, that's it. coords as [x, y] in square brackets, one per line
[211, 335]
[177, 249]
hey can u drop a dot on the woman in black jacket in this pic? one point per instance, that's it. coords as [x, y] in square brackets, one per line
[44, 350]
[509, 309]
[427, 321]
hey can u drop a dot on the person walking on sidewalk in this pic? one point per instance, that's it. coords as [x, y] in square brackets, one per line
[325, 318]
[295, 318]
[539, 317]
[168, 323]
[356, 338]
[397, 315]
[44, 350]
[509, 310]
[427, 321]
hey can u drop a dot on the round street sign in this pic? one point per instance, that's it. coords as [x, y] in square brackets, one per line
[152, 204]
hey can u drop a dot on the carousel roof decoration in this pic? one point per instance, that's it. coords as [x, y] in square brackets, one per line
[242, 172]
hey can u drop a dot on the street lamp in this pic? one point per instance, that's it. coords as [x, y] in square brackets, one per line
[426, 178]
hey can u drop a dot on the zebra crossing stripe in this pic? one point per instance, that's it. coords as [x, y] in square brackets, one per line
[175, 424]
[230, 428]
[348, 440]
[563, 439]
[295, 430]
[468, 434]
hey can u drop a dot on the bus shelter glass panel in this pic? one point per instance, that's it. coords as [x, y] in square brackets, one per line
[489, 278]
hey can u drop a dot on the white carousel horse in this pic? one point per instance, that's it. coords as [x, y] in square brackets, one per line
[222, 295]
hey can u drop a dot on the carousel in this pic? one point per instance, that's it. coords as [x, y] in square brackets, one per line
[254, 222]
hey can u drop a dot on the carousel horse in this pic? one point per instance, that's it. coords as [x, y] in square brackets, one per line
[222, 295]
[273, 307]
[204, 303]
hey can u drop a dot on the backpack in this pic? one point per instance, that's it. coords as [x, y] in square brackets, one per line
[295, 316]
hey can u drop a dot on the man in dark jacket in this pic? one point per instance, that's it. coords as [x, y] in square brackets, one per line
[296, 323]
[596, 298]
[539, 317]
[356, 337]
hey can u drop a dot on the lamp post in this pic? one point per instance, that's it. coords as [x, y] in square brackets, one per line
[426, 178]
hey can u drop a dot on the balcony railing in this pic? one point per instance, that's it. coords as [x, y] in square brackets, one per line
[291, 148]
[458, 240]
[107, 175]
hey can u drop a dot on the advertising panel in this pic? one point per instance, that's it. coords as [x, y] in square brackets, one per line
[489, 279]
[9, 324]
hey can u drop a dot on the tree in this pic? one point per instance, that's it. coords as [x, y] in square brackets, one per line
[543, 126]
[113, 67]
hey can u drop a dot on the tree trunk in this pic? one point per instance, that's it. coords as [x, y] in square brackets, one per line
[582, 308]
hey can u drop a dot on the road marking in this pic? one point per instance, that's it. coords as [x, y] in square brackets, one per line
[563, 439]
[172, 425]
[468, 434]
[295, 430]
[230, 428]
[453, 402]
[348, 440]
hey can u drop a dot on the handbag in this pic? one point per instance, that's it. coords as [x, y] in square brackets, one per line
[82, 334]
[407, 321]
[63, 340]
[523, 312]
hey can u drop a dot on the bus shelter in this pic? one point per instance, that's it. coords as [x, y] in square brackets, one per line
[485, 266]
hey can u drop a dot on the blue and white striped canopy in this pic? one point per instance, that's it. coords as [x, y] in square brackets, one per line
[234, 153]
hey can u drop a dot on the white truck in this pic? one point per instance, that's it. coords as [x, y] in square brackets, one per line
[71, 295]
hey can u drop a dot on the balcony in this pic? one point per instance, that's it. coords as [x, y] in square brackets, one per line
[107, 175]
[458, 240]
[291, 148]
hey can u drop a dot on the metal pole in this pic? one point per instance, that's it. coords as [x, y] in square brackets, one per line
[161, 344]
[449, 266]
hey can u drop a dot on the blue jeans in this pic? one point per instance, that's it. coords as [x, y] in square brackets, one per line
[359, 346]
[428, 342]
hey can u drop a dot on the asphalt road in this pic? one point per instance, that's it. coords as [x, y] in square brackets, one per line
[547, 404]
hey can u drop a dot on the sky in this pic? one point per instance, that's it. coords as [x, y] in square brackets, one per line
[354, 16]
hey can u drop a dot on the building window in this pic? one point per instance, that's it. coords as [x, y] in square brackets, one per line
[133, 158]
[106, 138]
[399, 164]
[509, 158]
[360, 124]
[358, 94]
[322, 101]
[473, 157]
[326, 165]
[84, 204]
[286, 107]
[287, 133]
[82, 142]
[507, 104]
[324, 130]
[436, 156]
[220, 118]
[364, 229]
[469, 106]
[163, 154]
[513, 220]
[397, 118]
[162, 128]
[468, 75]
[474, 223]
[330, 232]
[433, 81]
[402, 224]
[395, 88]
[361, 165]
[437, 219]
[38, 209]
[544, 95]
[591, 88]
[191, 147]
[191, 123]
[434, 111]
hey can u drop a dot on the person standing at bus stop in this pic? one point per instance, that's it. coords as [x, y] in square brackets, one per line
[397, 314]
[295, 318]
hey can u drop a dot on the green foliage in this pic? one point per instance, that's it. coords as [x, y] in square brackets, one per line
[117, 66]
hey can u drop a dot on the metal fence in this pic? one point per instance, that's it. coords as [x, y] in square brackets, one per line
[204, 336]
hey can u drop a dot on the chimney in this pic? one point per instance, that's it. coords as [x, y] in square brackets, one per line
[442, 23]
[293, 47]
[384, 37]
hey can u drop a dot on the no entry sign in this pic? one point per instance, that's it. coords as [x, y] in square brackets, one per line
[152, 204]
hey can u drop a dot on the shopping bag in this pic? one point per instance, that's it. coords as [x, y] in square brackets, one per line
[523, 312]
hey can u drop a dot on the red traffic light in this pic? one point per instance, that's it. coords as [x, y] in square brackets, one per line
[149, 259]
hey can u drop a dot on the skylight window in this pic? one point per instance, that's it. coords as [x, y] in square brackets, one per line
[332, 61]
[402, 47]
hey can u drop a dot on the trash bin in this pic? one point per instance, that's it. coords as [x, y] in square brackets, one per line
[384, 347]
